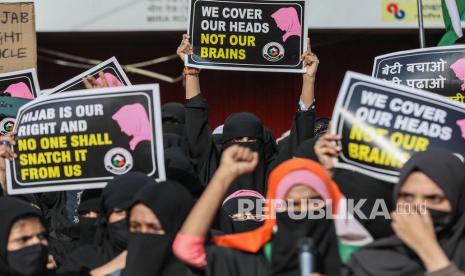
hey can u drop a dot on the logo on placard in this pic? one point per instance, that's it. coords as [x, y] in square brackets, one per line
[6, 125]
[393, 8]
[118, 161]
[273, 51]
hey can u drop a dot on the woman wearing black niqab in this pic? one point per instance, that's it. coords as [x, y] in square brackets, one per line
[173, 118]
[402, 254]
[30, 260]
[89, 209]
[111, 237]
[240, 126]
[236, 127]
[149, 247]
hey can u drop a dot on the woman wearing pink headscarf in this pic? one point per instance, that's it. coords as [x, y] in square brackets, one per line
[288, 21]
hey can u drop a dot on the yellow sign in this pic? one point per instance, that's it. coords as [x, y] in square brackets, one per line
[406, 11]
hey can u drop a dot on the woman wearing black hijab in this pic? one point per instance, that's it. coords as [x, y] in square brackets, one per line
[428, 241]
[88, 210]
[23, 242]
[173, 118]
[156, 216]
[111, 237]
[244, 129]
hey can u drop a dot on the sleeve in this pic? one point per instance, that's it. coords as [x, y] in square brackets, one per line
[302, 129]
[190, 250]
[199, 137]
[450, 270]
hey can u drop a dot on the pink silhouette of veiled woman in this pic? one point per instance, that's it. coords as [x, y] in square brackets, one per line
[459, 69]
[133, 121]
[19, 90]
[288, 21]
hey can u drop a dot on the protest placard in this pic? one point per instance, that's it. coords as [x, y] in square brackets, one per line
[440, 70]
[9, 107]
[111, 68]
[260, 35]
[20, 84]
[383, 125]
[18, 46]
[16, 89]
[83, 139]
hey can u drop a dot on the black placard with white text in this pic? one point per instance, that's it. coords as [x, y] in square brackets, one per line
[242, 35]
[83, 139]
[382, 125]
[439, 69]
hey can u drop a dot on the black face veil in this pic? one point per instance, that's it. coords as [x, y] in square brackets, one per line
[11, 210]
[110, 239]
[174, 118]
[241, 125]
[151, 254]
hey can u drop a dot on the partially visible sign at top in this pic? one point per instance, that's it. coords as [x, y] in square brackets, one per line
[18, 47]
[439, 69]
[172, 15]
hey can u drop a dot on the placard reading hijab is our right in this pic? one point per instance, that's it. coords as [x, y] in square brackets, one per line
[261, 35]
[83, 139]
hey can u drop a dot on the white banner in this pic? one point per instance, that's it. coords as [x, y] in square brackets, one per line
[172, 15]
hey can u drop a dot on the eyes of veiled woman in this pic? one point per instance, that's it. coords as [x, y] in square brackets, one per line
[146, 228]
[245, 140]
[433, 199]
[24, 240]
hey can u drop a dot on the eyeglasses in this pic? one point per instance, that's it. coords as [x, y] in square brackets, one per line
[246, 217]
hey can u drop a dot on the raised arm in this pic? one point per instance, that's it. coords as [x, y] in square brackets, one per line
[198, 132]
[189, 244]
[191, 75]
[303, 124]
[235, 161]
[308, 87]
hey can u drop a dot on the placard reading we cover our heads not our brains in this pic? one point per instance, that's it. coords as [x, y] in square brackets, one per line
[259, 35]
[382, 125]
[83, 139]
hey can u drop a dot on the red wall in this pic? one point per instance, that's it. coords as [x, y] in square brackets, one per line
[272, 96]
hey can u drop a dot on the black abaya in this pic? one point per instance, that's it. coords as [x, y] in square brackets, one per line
[203, 148]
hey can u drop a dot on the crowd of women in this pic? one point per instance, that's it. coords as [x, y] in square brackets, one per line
[195, 222]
